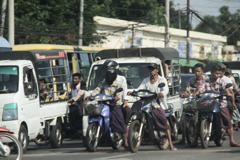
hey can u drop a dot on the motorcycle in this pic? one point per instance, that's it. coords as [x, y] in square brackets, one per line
[172, 122]
[141, 125]
[190, 118]
[10, 147]
[210, 118]
[99, 129]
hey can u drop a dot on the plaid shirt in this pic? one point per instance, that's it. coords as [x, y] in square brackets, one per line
[218, 86]
[109, 90]
[197, 83]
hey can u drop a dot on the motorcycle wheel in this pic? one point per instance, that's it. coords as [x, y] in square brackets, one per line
[116, 141]
[12, 147]
[134, 137]
[163, 142]
[174, 129]
[91, 140]
[219, 142]
[204, 133]
[190, 129]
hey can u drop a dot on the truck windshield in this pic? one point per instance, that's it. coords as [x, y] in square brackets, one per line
[8, 79]
[133, 72]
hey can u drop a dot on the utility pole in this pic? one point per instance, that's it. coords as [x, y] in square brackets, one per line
[80, 40]
[11, 22]
[167, 15]
[179, 17]
[188, 39]
[3, 15]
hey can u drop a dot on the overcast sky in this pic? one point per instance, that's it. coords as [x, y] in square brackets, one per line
[207, 7]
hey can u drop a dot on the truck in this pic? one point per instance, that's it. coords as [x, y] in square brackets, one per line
[21, 108]
[133, 63]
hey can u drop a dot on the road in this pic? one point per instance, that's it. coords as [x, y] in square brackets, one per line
[74, 150]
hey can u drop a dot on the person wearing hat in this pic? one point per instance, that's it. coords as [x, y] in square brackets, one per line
[151, 83]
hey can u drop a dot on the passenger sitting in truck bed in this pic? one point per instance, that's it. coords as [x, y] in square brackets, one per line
[45, 93]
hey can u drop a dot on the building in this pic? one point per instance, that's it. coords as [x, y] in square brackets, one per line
[119, 34]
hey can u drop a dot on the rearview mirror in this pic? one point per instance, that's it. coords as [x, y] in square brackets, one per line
[160, 85]
[129, 83]
[229, 85]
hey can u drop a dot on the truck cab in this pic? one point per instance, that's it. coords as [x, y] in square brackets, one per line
[133, 64]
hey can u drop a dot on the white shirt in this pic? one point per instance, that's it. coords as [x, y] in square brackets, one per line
[227, 80]
[154, 88]
[123, 80]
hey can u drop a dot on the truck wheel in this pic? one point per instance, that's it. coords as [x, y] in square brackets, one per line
[23, 137]
[56, 136]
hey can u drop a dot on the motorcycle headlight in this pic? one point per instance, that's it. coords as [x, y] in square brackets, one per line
[10, 112]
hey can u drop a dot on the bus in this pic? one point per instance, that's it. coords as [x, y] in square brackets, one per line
[80, 57]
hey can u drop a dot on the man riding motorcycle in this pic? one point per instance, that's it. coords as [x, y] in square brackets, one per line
[108, 86]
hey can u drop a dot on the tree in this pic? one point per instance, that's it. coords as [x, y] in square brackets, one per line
[57, 22]
[225, 24]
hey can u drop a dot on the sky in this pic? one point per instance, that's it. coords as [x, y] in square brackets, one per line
[206, 7]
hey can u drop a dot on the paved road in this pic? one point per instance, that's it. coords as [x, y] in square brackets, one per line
[74, 150]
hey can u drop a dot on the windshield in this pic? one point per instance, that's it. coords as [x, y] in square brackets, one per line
[8, 79]
[133, 72]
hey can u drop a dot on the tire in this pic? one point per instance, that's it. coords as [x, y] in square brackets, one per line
[56, 136]
[174, 129]
[219, 141]
[190, 130]
[116, 141]
[163, 143]
[13, 146]
[91, 141]
[134, 137]
[204, 133]
[23, 138]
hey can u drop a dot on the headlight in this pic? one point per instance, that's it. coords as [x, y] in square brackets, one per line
[10, 112]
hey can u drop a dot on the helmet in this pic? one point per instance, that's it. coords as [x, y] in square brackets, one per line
[111, 75]
[110, 63]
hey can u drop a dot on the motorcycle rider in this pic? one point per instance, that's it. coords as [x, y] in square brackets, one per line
[125, 107]
[108, 86]
[195, 82]
[151, 83]
[217, 84]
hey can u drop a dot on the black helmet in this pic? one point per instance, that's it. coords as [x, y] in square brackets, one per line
[110, 63]
[111, 75]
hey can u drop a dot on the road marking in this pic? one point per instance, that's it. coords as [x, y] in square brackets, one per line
[117, 157]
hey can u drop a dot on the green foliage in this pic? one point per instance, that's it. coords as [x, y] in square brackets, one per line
[57, 22]
[226, 24]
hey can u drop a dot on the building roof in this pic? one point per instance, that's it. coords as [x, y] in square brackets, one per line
[161, 53]
[117, 23]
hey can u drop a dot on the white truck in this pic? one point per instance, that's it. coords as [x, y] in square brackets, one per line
[21, 108]
[133, 64]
